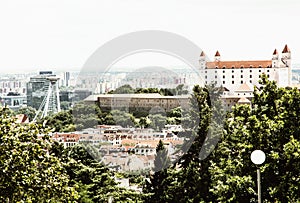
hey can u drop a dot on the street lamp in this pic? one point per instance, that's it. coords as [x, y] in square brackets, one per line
[258, 157]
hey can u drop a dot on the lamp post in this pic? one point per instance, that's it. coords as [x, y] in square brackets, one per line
[258, 157]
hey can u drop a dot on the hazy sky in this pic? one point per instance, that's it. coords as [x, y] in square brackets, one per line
[62, 34]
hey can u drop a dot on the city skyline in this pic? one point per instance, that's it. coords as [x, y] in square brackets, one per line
[62, 35]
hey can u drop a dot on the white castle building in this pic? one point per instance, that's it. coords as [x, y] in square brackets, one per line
[231, 74]
[239, 77]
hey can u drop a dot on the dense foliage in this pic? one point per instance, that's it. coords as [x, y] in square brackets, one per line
[227, 174]
[36, 169]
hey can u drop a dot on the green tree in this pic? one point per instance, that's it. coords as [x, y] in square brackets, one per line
[123, 118]
[86, 115]
[94, 181]
[28, 111]
[272, 125]
[158, 185]
[125, 89]
[158, 121]
[28, 171]
[61, 122]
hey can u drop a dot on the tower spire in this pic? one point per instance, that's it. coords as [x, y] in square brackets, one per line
[286, 49]
[217, 56]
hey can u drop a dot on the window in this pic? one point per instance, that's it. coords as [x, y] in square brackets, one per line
[206, 71]
[223, 71]
[242, 82]
[216, 76]
[250, 76]
[206, 77]
[223, 82]
[259, 66]
[232, 76]
[223, 67]
[250, 70]
[232, 71]
[259, 71]
[250, 81]
[242, 76]
[216, 67]
[241, 71]
[268, 76]
[223, 76]
[268, 70]
[215, 71]
[232, 82]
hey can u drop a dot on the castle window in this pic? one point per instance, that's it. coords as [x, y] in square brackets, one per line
[223, 82]
[223, 67]
[215, 71]
[232, 67]
[242, 67]
[232, 82]
[250, 70]
[223, 76]
[232, 76]
[268, 76]
[251, 67]
[242, 76]
[206, 77]
[216, 67]
[206, 71]
[268, 70]
[232, 71]
[223, 71]
[250, 81]
[216, 76]
[250, 76]
[241, 71]
[242, 82]
[259, 71]
[259, 66]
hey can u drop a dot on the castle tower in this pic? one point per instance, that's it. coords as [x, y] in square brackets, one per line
[51, 102]
[275, 59]
[202, 60]
[286, 56]
[217, 56]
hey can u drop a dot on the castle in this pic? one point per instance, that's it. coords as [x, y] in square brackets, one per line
[231, 74]
[238, 78]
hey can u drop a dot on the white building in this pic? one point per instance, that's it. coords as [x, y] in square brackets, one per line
[232, 74]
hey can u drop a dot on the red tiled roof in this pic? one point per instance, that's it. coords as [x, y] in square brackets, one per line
[244, 88]
[244, 100]
[239, 64]
[22, 118]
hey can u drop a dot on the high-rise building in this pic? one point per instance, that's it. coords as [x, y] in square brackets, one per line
[37, 88]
